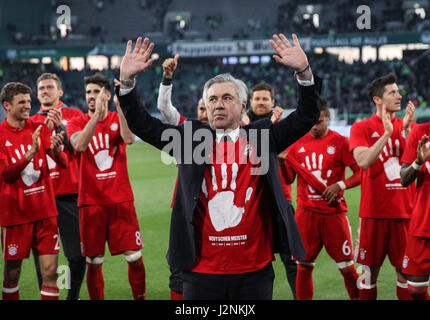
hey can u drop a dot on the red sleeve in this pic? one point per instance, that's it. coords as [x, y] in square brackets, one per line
[355, 179]
[287, 171]
[61, 159]
[347, 157]
[74, 125]
[9, 173]
[358, 137]
[410, 153]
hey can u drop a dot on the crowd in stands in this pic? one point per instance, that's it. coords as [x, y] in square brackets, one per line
[336, 17]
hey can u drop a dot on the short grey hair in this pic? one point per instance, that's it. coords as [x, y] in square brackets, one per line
[242, 89]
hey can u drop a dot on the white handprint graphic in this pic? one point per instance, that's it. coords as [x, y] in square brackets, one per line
[100, 151]
[29, 175]
[391, 164]
[316, 169]
[222, 210]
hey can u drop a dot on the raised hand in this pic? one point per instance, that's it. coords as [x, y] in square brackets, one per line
[423, 150]
[169, 66]
[290, 56]
[53, 120]
[136, 61]
[56, 142]
[407, 119]
[386, 120]
[276, 114]
[101, 104]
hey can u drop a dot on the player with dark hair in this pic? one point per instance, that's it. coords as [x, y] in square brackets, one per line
[106, 203]
[65, 181]
[416, 165]
[321, 212]
[377, 144]
[28, 216]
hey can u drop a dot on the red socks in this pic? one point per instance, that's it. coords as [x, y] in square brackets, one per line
[418, 290]
[304, 285]
[350, 277]
[49, 293]
[136, 275]
[10, 291]
[368, 292]
[95, 280]
[402, 291]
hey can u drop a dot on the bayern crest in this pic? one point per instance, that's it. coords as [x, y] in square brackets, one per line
[405, 262]
[331, 149]
[12, 249]
[362, 254]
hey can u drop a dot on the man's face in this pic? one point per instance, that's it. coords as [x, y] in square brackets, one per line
[223, 106]
[201, 112]
[48, 93]
[92, 90]
[261, 102]
[391, 98]
[19, 108]
[320, 129]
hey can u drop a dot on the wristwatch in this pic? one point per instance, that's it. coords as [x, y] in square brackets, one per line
[128, 83]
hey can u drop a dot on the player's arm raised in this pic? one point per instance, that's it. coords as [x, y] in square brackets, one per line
[81, 139]
[409, 172]
[364, 156]
[164, 103]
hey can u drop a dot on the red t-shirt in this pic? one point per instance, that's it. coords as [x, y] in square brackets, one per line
[31, 197]
[103, 174]
[382, 195]
[420, 219]
[233, 228]
[65, 181]
[326, 158]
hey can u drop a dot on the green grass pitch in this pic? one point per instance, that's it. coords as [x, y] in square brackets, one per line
[153, 184]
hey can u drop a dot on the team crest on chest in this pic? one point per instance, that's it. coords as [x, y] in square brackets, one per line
[114, 126]
[331, 150]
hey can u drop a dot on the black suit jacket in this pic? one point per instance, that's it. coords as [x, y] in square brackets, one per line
[182, 248]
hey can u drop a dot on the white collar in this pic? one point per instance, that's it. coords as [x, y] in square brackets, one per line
[233, 134]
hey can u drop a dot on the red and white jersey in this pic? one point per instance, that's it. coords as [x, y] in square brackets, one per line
[232, 218]
[103, 174]
[30, 197]
[420, 219]
[382, 195]
[65, 181]
[326, 158]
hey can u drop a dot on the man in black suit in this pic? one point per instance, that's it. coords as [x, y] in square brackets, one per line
[230, 214]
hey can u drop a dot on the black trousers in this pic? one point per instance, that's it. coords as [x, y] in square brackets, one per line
[257, 285]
